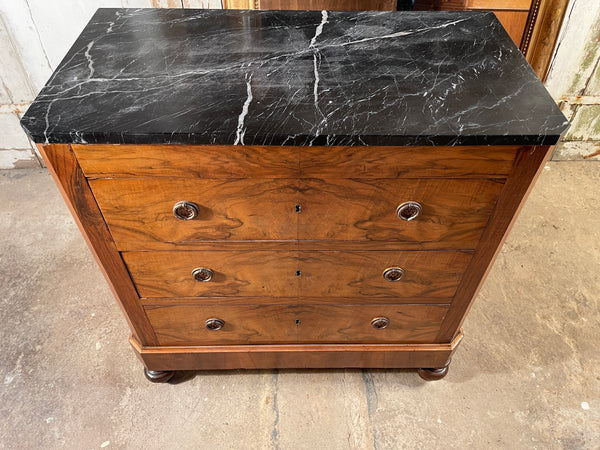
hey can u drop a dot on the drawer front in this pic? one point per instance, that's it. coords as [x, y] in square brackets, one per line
[141, 210]
[190, 161]
[453, 213]
[429, 274]
[272, 324]
[403, 162]
[331, 274]
[213, 161]
[234, 274]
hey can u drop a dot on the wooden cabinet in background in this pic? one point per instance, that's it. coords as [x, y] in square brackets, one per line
[332, 5]
[533, 25]
[512, 14]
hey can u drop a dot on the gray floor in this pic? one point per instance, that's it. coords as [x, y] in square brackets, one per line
[525, 376]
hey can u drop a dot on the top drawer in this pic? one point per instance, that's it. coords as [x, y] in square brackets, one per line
[142, 213]
[291, 162]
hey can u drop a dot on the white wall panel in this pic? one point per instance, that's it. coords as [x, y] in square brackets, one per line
[21, 28]
[14, 86]
[571, 69]
[59, 22]
[12, 136]
[4, 97]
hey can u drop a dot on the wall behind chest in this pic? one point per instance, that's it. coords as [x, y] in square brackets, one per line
[34, 37]
[35, 34]
[574, 81]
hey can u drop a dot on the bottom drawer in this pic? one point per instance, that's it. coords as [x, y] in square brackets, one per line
[288, 324]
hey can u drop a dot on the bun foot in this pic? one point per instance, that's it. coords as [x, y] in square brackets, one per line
[158, 376]
[433, 374]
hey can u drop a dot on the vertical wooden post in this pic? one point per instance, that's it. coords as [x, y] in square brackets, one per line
[74, 188]
[528, 165]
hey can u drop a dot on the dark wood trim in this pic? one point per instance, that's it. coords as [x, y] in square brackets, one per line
[286, 301]
[541, 33]
[74, 187]
[332, 356]
[531, 18]
[528, 166]
[306, 245]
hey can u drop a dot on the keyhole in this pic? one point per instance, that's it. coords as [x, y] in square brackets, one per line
[298, 273]
[297, 322]
[298, 208]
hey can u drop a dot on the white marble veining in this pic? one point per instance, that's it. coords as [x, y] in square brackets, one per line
[294, 78]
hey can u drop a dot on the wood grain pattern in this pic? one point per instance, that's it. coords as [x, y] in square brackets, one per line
[236, 274]
[267, 324]
[239, 4]
[243, 301]
[462, 5]
[141, 209]
[454, 211]
[512, 14]
[541, 33]
[332, 5]
[360, 274]
[514, 23]
[275, 274]
[193, 161]
[290, 245]
[290, 162]
[302, 356]
[497, 5]
[74, 188]
[512, 199]
[408, 162]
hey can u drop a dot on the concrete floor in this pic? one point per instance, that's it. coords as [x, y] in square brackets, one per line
[525, 376]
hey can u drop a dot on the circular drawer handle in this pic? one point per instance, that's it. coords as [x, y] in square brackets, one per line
[393, 274]
[202, 274]
[379, 323]
[214, 324]
[409, 211]
[185, 210]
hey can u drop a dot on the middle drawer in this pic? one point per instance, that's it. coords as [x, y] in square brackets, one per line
[331, 274]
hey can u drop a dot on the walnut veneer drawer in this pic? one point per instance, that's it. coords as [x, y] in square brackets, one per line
[139, 211]
[273, 324]
[218, 161]
[430, 274]
[453, 212]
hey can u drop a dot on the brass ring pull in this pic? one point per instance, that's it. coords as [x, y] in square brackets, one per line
[409, 211]
[185, 210]
[393, 274]
[379, 323]
[202, 274]
[214, 324]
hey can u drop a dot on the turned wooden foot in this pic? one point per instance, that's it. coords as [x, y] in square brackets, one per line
[158, 376]
[433, 374]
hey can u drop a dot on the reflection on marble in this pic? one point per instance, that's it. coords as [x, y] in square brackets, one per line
[177, 76]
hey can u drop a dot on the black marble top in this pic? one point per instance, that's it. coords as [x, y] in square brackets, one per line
[179, 76]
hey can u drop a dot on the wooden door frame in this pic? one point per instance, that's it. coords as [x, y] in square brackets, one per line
[541, 33]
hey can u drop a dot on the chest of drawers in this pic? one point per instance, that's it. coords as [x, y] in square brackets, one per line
[336, 241]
